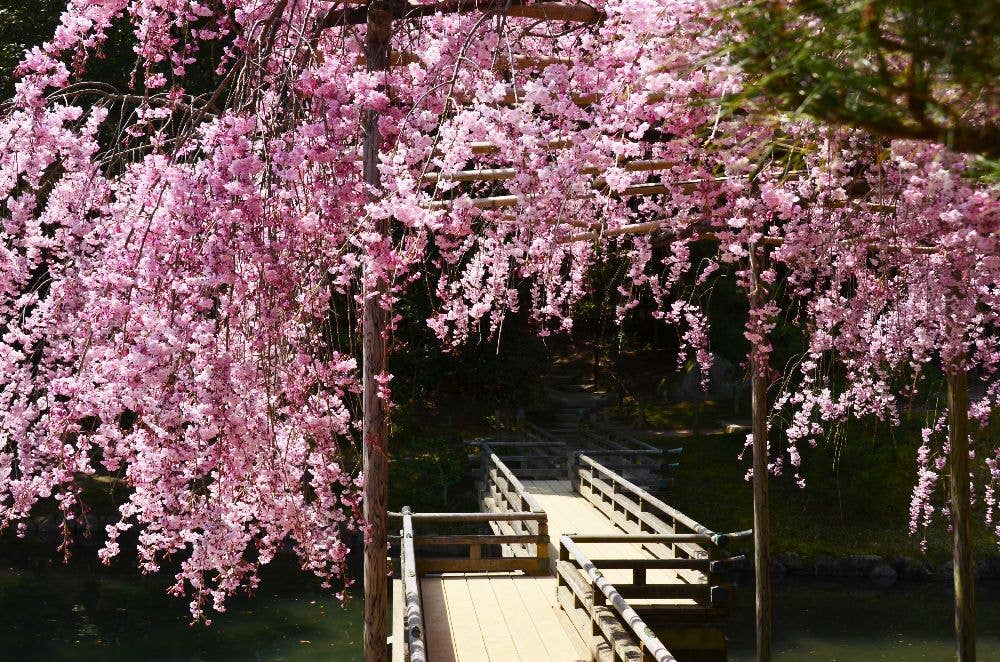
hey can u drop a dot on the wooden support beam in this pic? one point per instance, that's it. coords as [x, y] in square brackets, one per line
[485, 147]
[456, 518]
[375, 424]
[761, 507]
[958, 437]
[500, 174]
[404, 10]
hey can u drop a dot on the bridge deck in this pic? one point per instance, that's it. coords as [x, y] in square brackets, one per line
[496, 617]
[570, 513]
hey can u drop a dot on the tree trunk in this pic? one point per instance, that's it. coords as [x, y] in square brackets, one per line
[374, 361]
[958, 436]
[761, 512]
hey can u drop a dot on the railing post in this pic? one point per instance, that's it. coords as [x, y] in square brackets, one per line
[542, 546]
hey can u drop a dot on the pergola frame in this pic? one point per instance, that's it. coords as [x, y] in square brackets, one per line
[379, 15]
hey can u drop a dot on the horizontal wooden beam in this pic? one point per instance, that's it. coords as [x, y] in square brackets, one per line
[697, 592]
[472, 517]
[478, 539]
[651, 564]
[404, 10]
[635, 538]
[528, 564]
[501, 174]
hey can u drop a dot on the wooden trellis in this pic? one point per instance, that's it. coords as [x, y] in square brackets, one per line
[379, 15]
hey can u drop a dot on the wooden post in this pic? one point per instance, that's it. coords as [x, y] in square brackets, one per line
[761, 514]
[374, 358]
[958, 437]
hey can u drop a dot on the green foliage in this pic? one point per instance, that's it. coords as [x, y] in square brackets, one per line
[898, 68]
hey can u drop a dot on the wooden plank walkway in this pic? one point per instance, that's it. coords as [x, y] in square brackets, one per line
[496, 617]
[570, 513]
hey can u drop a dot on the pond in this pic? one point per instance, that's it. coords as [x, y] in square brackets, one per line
[846, 621]
[85, 613]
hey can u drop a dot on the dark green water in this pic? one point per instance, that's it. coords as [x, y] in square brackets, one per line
[88, 614]
[829, 620]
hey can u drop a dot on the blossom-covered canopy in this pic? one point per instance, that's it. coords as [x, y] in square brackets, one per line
[181, 261]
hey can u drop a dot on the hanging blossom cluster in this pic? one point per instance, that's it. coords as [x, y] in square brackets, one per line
[893, 288]
[182, 264]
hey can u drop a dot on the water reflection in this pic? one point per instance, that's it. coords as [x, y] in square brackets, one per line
[86, 614]
[848, 621]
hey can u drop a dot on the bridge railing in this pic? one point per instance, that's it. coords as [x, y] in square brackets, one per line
[676, 541]
[533, 453]
[681, 573]
[475, 545]
[635, 459]
[526, 452]
[503, 493]
[599, 610]
[457, 542]
[414, 646]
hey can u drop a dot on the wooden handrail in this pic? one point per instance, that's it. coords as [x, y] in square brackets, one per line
[471, 517]
[626, 452]
[509, 492]
[515, 444]
[411, 590]
[646, 497]
[476, 539]
[516, 484]
[642, 632]
[644, 537]
[622, 438]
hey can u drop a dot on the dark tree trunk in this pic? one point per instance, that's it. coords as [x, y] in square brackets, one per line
[374, 362]
[761, 507]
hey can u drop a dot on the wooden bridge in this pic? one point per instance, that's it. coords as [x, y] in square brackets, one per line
[572, 558]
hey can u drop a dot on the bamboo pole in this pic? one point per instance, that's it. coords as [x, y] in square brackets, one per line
[761, 514]
[958, 436]
[375, 424]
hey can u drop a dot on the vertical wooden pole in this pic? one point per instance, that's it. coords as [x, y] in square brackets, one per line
[374, 358]
[761, 513]
[958, 436]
